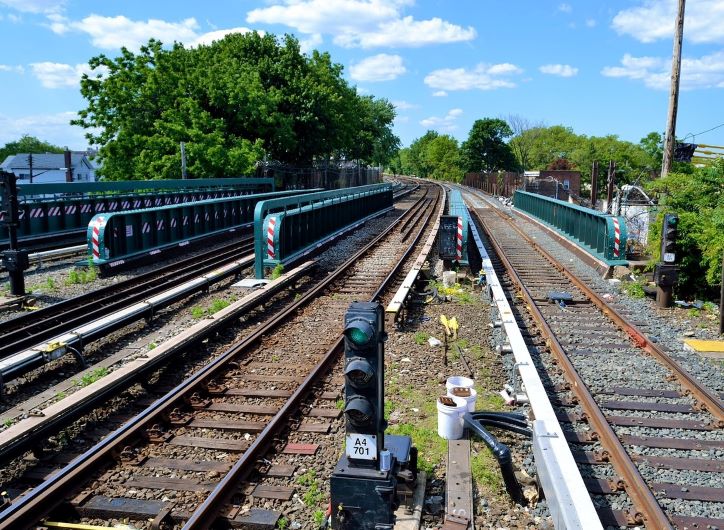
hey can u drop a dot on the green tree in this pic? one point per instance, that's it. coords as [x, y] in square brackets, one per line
[418, 161]
[443, 157]
[232, 103]
[28, 144]
[485, 149]
[698, 199]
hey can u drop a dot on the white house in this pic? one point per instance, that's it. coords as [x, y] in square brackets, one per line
[50, 167]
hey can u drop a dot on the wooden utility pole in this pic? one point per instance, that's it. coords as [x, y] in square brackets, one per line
[670, 139]
[610, 185]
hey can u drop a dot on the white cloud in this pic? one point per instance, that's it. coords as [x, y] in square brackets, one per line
[565, 8]
[563, 70]
[655, 72]
[35, 6]
[309, 44]
[12, 17]
[381, 67]
[9, 68]
[404, 105]
[445, 123]
[219, 34]
[111, 33]
[60, 75]
[53, 128]
[439, 94]
[655, 19]
[482, 77]
[361, 23]
[591, 23]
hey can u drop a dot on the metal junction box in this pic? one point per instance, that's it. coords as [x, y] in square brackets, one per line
[365, 498]
[447, 237]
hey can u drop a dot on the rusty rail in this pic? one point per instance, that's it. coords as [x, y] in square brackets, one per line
[651, 512]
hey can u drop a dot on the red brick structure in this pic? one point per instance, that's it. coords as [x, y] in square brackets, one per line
[570, 180]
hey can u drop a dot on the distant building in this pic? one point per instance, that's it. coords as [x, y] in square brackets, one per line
[50, 167]
[555, 183]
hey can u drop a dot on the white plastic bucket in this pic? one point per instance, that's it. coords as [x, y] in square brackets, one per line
[469, 400]
[458, 381]
[450, 419]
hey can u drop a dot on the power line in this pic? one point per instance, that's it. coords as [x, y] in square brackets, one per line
[703, 132]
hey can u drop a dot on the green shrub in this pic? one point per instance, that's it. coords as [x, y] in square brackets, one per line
[197, 312]
[633, 289]
[218, 305]
[698, 200]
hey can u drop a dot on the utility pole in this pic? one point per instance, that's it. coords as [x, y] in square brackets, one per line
[30, 166]
[674, 94]
[610, 184]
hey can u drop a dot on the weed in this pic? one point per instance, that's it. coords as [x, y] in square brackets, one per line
[277, 271]
[50, 282]
[217, 305]
[710, 306]
[152, 345]
[92, 377]
[421, 338]
[60, 395]
[307, 478]
[694, 312]
[424, 436]
[297, 296]
[313, 496]
[318, 517]
[73, 278]
[197, 312]
[339, 404]
[282, 523]
[275, 358]
[8, 422]
[634, 289]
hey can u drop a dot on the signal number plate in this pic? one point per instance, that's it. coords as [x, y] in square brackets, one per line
[669, 257]
[361, 446]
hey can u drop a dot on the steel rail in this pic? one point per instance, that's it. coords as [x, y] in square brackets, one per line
[31, 328]
[707, 399]
[41, 500]
[206, 514]
[643, 499]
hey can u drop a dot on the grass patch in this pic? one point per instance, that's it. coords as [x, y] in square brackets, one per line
[433, 449]
[78, 277]
[198, 312]
[50, 283]
[421, 337]
[277, 271]
[485, 470]
[283, 523]
[92, 377]
[152, 345]
[694, 312]
[8, 422]
[217, 305]
[339, 404]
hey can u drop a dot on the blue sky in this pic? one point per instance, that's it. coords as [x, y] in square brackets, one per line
[600, 67]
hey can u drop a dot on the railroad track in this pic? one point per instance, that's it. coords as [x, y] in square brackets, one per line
[646, 434]
[34, 327]
[256, 402]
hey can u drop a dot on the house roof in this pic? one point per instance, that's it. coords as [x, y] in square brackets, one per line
[44, 161]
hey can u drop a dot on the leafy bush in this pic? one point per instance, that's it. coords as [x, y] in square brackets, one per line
[698, 200]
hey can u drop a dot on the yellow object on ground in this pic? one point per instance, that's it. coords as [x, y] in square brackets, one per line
[454, 326]
[444, 321]
[705, 345]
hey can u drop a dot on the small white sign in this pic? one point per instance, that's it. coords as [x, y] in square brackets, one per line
[361, 446]
[669, 257]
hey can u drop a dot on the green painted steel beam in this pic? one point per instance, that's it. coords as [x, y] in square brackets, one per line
[296, 205]
[602, 235]
[139, 186]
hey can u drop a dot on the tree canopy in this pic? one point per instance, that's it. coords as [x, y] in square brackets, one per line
[485, 149]
[234, 102]
[28, 144]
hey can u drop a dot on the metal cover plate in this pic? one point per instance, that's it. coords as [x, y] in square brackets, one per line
[250, 283]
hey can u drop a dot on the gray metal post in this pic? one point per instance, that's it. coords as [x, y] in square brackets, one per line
[183, 160]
